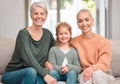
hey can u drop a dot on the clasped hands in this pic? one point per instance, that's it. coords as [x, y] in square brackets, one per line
[87, 73]
[49, 66]
[49, 79]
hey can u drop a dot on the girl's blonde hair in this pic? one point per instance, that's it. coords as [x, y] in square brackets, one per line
[62, 24]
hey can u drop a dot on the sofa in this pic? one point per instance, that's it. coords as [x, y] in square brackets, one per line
[7, 48]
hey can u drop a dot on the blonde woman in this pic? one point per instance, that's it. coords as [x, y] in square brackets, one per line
[93, 50]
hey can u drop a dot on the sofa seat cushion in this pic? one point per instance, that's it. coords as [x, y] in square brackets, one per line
[115, 82]
[6, 51]
[60, 82]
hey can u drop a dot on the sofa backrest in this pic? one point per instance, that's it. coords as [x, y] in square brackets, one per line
[7, 47]
[115, 45]
[6, 51]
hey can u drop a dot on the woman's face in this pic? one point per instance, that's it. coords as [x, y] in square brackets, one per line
[85, 22]
[38, 16]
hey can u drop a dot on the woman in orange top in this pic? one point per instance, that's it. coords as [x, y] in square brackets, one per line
[93, 50]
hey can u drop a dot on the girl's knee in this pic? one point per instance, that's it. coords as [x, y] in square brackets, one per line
[53, 72]
[72, 72]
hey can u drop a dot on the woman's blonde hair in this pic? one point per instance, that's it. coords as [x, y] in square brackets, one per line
[84, 11]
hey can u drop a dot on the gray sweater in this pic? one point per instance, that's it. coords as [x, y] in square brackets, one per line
[56, 57]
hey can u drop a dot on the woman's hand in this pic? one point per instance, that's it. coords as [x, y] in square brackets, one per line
[48, 66]
[49, 80]
[87, 73]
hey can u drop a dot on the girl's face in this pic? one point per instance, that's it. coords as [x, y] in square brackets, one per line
[63, 35]
[85, 22]
[38, 16]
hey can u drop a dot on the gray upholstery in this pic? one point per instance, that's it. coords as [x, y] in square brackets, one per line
[6, 51]
[7, 48]
[115, 66]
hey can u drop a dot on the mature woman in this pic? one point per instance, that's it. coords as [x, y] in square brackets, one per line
[30, 55]
[93, 50]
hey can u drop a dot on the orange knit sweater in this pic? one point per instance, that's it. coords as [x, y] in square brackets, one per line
[94, 52]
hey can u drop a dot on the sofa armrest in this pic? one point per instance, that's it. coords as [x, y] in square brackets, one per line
[6, 51]
[115, 46]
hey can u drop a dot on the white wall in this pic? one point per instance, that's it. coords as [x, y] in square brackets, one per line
[12, 18]
[115, 19]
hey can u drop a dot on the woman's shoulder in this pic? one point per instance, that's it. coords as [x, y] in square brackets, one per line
[102, 40]
[24, 30]
[75, 40]
[46, 30]
[47, 33]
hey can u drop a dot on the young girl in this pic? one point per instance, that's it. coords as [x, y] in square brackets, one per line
[64, 57]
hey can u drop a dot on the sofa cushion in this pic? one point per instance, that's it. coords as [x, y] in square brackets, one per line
[60, 82]
[114, 82]
[115, 57]
[6, 51]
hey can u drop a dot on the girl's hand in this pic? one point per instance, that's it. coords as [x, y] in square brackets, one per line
[48, 66]
[65, 70]
[87, 73]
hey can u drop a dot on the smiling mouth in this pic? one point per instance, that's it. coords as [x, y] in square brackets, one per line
[84, 28]
[39, 21]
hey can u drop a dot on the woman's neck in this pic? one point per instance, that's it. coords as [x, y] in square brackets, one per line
[35, 32]
[36, 28]
[88, 35]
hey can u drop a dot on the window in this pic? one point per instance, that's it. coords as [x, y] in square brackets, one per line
[66, 10]
[103, 19]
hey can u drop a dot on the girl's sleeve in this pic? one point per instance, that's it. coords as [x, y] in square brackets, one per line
[52, 59]
[76, 64]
